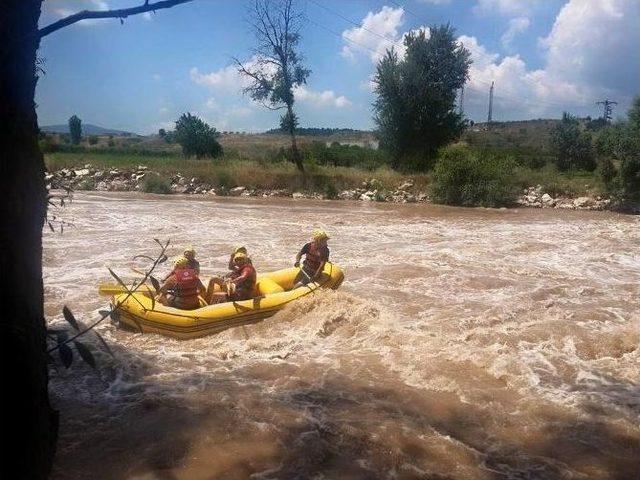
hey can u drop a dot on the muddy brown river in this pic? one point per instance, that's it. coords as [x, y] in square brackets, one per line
[463, 344]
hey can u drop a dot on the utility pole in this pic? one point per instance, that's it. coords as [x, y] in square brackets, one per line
[461, 103]
[607, 109]
[490, 116]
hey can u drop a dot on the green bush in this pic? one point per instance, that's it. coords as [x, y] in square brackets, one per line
[156, 184]
[48, 144]
[196, 137]
[224, 179]
[93, 140]
[620, 143]
[87, 183]
[461, 177]
[572, 146]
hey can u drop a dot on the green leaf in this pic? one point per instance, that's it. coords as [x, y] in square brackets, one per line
[118, 279]
[66, 354]
[85, 353]
[155, 283]
[104, 344]
[68, 316]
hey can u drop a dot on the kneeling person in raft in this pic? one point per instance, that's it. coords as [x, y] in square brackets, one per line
[182, 288]
[190, 254]
[240, 284]
[316, 254]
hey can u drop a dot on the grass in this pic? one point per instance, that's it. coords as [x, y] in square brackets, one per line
[233, 172]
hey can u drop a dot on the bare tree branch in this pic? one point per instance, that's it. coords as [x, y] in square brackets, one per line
[121, 13]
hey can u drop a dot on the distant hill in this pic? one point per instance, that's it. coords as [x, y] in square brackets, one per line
[320, 132]
[87, 129]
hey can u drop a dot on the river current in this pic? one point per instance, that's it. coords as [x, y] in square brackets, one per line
[463, 344]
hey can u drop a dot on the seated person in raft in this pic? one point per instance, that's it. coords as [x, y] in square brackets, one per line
[190, 254]
[239, 285]
[182, 287]
[316, 254]
[233, 267]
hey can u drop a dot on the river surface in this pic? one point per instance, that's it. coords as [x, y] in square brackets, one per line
[463, 344]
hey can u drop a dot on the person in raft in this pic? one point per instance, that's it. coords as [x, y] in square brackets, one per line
[184, 286]
[233, 266]
[316, 254]
[190, 254]
[240, 284]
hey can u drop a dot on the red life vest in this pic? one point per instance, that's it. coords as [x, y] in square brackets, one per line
[186, 283]
[313, 259]
[244, 288]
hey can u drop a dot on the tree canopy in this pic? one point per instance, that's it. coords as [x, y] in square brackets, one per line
[75, 129]
[416, 96]
[196, 137]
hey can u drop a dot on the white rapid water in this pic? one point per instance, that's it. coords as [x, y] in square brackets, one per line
[464, 344]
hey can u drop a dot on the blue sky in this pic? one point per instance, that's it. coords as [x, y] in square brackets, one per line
[545, 56]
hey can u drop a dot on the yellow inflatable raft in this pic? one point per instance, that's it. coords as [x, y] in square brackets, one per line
[273, 291]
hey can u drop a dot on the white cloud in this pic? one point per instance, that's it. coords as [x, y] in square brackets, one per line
[516, 26]
[224, 79]
[436, 2]
[211, 104]
[326, 98]
[78, 6]
[362, 39]
[505, 7]
[147, 16]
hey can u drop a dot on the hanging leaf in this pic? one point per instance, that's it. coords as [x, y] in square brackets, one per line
[85, 353]
[51, 227]
[143, 256]
[118, 279]
[153, 302]
[104, 313]
[66, 354]
[155, 283]
[62, 228]
[104, 344]
[62, 336]
[163, 259]
[68, 316]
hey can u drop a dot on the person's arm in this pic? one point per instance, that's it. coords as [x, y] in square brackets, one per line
[201, 288]
[231, 266]
[169, 283]
[302, 251]
[168, 275]
[243, 276]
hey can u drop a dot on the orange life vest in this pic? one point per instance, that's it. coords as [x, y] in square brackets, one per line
[244, 289]
[186, 288]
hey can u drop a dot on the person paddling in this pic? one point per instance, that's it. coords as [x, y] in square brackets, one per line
[184, 285]
[316, 254]
[190, 254]
[240, 284]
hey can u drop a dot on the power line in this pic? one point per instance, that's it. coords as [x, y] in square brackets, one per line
[490, 116]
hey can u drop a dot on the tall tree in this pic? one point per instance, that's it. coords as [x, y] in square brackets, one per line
[415, 107]
[276, 69]
[75, 129]
[572, 145]
[27, 420]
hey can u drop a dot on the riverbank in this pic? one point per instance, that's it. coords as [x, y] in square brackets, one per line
[281, 180]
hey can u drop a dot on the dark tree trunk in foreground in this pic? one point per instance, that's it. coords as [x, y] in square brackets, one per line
[29, 425]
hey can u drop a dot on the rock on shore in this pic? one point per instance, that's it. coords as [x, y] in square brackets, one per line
[117, 180]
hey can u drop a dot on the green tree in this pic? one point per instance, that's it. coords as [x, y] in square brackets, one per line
[415, 106]
[621, 142]
[573, 147]
[75, 129]
[196, 137]
[277, 68]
